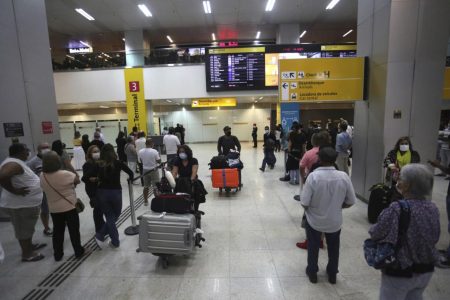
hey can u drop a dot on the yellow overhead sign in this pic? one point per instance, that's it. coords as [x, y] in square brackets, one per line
[134, 90]
[337, 47]
[321, 79]
[447, 84]
[236, 50]
[213, 102]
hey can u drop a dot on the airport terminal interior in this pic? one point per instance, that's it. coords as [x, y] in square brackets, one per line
[356, 88]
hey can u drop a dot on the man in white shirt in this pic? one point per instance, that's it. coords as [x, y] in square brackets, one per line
[99, 130]
[171, 142]
[326, 192]
[140, 144]
[149, 159]
[21, 199]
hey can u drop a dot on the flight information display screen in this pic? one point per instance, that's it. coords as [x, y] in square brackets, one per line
[256, 68]
[235, 71]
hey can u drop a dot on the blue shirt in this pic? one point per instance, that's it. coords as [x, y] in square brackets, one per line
[343, 142]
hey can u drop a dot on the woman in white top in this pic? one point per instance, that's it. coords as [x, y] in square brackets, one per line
[59, 186]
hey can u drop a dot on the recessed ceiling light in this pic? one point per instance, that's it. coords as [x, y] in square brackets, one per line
[260, 98]
[103, 106]
[145, 10]
[207, 7]
[169, 38]
[347, 33]
[71, 57]
[303, 34]
[258, 34]
[170, 101]
[84, 14]
[213, 36]
[123, 39]
[332, 4]
[269, 5]
[86, 44]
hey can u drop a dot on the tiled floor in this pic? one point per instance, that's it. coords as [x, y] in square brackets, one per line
[250, 251]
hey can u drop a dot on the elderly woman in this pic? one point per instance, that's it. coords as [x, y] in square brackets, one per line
[59, 186]
[417, 253]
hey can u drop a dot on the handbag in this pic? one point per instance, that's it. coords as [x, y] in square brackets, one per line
[384, 255]
[79, 205]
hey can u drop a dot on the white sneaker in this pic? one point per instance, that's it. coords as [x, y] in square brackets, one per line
[100, 244]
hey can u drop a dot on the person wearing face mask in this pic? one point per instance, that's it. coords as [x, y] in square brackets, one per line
[416, 253]
[35, 164]
[402, 155]
[90, 179]
[184, 170]
[21, 199]
[255, 136]
[269, 148]
[227, 142]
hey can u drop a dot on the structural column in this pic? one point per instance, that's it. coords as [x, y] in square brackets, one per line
[134, 48]
[406, 42]
[288, 34]
[27, 92]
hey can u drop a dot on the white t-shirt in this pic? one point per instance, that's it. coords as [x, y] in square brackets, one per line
[140, 144]
[171, 142]
[324, 192]
[28, 179]
[149, 158]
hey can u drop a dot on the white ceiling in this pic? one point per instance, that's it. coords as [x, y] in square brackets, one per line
[186, 22]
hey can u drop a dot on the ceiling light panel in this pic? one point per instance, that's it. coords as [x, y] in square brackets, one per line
[347, 33]
[270, 4]
[332, 4]
[207, 7]
[258, 34]
[303, 34]
[84, 14]
[213, 36]
[170, 39]
[86, 44]
[145, 10]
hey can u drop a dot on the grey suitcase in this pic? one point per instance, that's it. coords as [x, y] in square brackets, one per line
[163, 233]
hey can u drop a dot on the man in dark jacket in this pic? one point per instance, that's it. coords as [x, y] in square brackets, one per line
[269, 147]
[227, 142]
[255, 136]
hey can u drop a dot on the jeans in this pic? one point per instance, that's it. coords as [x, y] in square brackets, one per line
[401, 288]
[333, 241]
[295, 176]
[60, 220]
[97, 213]
[111, 205]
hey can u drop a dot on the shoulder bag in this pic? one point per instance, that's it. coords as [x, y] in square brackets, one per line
[384, 255]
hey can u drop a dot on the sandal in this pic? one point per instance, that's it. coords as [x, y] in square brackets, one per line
[37, 257]
[38, 246]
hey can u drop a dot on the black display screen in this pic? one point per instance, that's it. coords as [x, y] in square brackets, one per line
[235, 71]
[256, 68]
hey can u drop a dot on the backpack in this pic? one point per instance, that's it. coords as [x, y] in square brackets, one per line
[218, 162]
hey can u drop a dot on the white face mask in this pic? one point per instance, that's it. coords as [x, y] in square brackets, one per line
[267, 131]
[46, 150]
[404, 148]
[96, 155]
[183, 155]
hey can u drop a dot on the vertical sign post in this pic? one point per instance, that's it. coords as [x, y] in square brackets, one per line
[134, 89]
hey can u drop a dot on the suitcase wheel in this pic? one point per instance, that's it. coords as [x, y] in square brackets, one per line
[138, 250]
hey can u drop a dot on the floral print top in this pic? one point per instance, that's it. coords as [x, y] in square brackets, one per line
[421, 236]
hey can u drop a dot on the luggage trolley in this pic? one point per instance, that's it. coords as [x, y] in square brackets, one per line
[172, 227]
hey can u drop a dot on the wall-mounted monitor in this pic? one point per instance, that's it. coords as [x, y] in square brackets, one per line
[256, 68]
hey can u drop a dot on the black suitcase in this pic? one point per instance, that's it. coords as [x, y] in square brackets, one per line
[172, 203]
[380, 198]
[218, 162]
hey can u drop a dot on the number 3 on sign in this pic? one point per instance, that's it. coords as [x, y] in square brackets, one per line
[134, 86]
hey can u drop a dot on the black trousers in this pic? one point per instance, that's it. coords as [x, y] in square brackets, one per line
[97, 213]
[255, 141]
[60, 220]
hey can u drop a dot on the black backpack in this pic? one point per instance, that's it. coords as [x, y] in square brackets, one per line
[380, 198]
[218, 162]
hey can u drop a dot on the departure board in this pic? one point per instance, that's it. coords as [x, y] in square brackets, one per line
[235, 71]
[256, 67]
